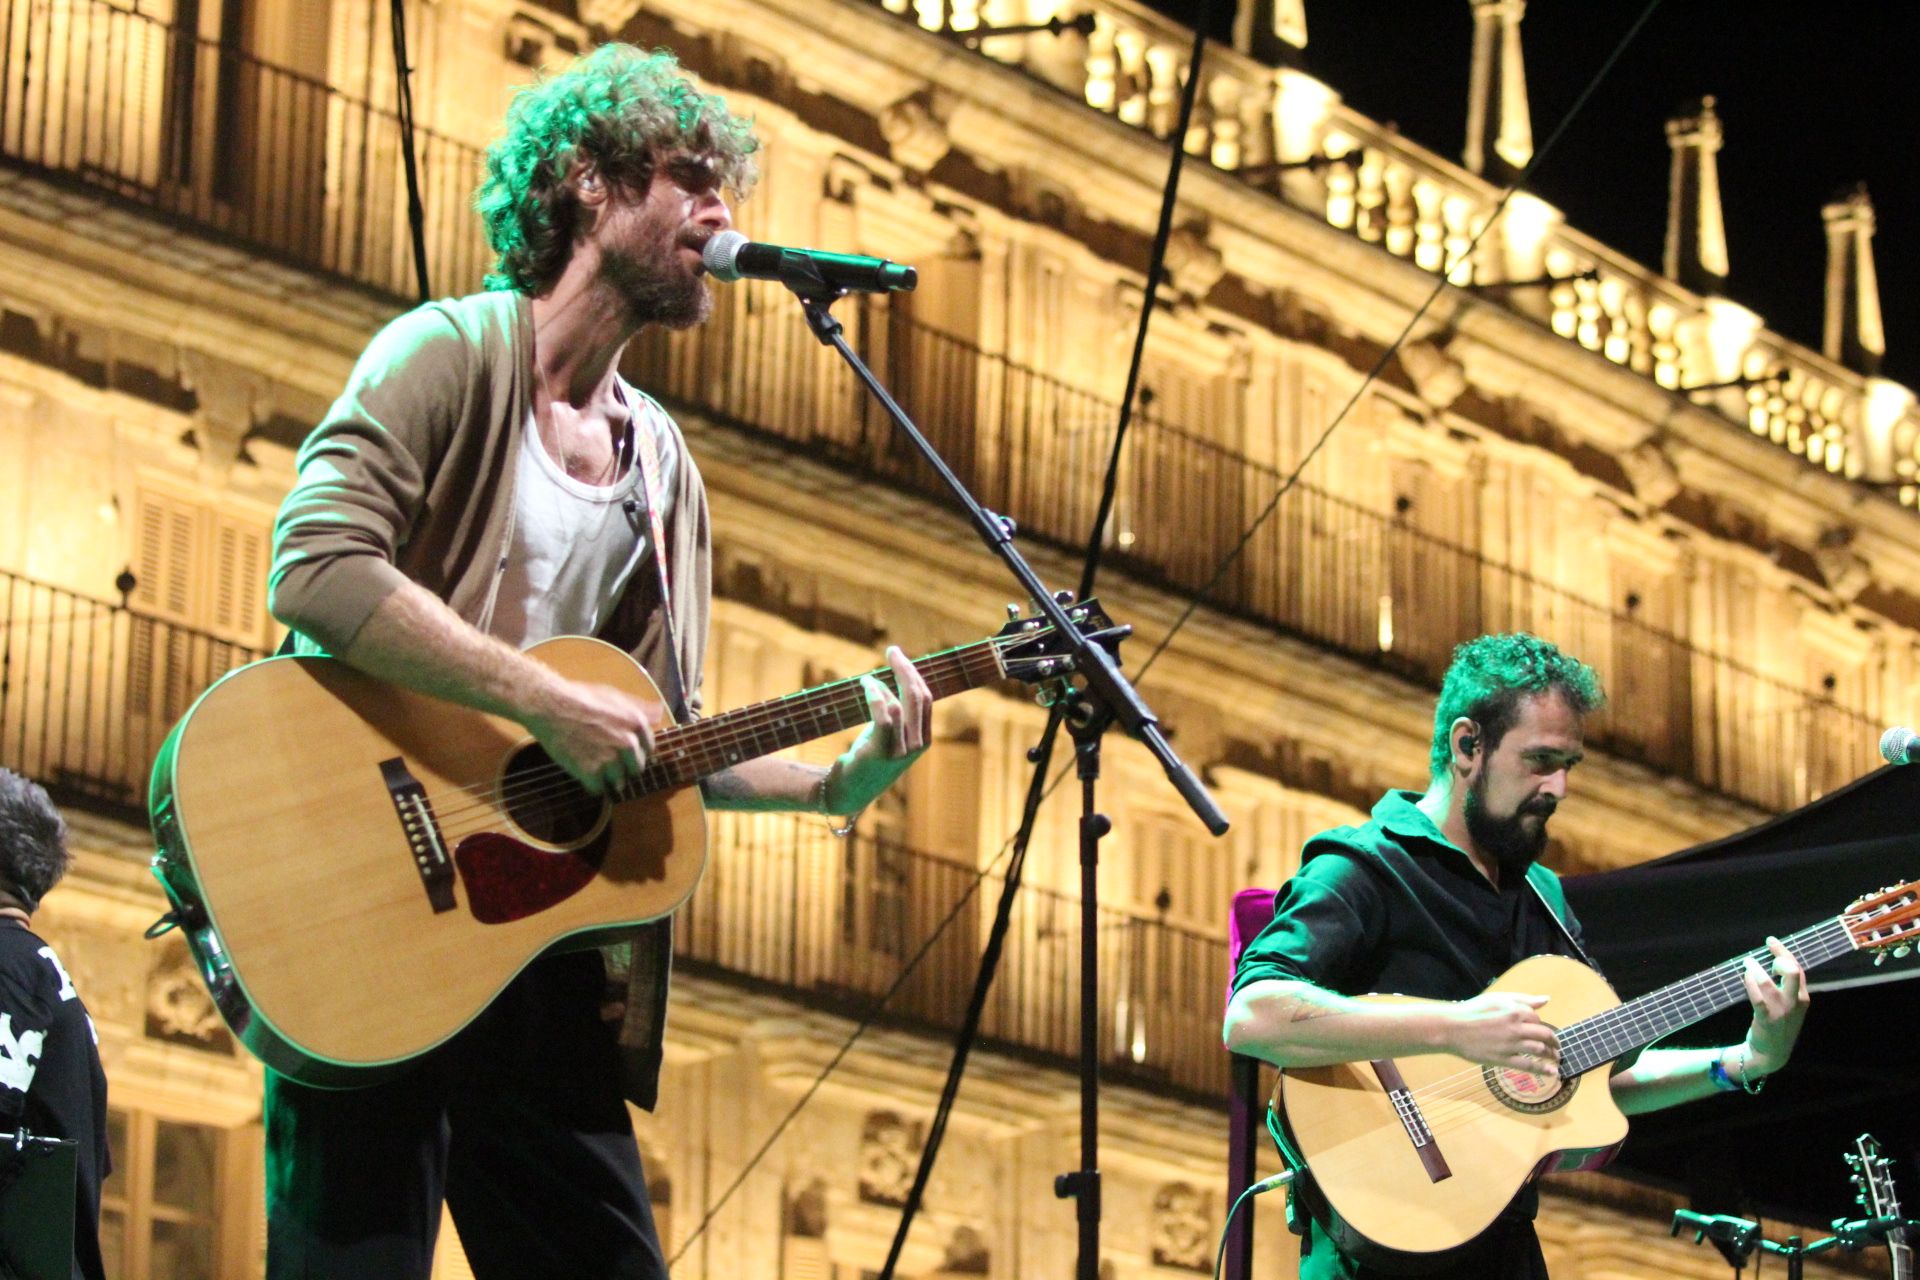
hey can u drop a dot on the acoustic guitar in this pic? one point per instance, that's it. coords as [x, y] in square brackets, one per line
[1420, 1154]
[1873, 1188]
[359, 868]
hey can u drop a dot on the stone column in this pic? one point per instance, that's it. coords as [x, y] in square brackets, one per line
[1852, 334]
[1499, 125]
[1696, 254]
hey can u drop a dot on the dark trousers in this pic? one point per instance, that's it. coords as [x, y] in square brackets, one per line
[517, 1123]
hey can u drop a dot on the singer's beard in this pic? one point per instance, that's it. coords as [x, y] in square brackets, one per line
[658, 288]
[1514, 842]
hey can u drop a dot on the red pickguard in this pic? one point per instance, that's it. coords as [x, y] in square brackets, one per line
[507, 879]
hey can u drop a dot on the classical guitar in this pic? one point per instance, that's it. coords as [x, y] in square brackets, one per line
[1420, 1154]
[359, 868]
[1873, 1180]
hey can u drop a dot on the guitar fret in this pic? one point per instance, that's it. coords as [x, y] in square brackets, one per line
[1616, 1032]
[687, 753]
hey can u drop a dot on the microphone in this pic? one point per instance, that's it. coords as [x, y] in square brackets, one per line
[730, 256]
[1897, 746]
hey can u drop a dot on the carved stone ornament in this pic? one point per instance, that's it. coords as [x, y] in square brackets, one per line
[916, 137]
[807, 1211]
[233, 401]
[1193, 265]
[608, 15]
[888, 1158]
[1846, 572]
[179, 1010]
[1437, 378]
[1182, 1229]
[967, 1254]
[1652, 474]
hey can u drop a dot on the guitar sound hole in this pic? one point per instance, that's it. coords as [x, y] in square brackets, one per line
[547, 803]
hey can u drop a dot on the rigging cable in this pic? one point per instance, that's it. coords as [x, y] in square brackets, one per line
[416, 208]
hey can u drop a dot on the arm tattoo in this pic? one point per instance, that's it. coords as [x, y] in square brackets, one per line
[725, 785]
[1304, 1009]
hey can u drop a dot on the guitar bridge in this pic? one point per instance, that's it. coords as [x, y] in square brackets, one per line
[422, 830]
[1411, 1119]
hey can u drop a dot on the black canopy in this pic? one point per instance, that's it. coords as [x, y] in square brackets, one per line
[1855, 1070]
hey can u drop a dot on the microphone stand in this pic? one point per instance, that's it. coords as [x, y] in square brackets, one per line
[1738, 1238]
[1106, 697]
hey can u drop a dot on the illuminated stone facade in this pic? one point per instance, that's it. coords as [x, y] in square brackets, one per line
[197, 237]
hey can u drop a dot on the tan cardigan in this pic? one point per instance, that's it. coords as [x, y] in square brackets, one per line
[410, 476]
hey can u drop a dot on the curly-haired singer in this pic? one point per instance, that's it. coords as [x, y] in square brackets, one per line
[471, 492]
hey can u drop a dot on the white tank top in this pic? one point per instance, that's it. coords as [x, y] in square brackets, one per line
[576, 546]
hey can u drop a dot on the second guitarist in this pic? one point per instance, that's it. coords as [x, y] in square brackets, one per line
[1436, 896]
[487, 480]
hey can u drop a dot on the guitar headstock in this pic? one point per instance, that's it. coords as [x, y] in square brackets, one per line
[1872, 1178]
[1887, 922]
[1032, 650]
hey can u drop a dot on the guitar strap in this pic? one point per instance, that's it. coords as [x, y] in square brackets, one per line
[650, 957]
[1546, 886]
[649, 449]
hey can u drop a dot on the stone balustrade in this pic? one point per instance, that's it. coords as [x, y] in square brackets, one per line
[1287, 133]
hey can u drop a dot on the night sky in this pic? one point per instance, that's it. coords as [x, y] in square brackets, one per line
[1810, 99]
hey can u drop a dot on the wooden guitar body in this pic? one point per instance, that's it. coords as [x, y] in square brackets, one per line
[1418, 1155]
[368, 866]
[1487, 1131]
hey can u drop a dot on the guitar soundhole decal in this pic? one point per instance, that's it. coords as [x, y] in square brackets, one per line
[1527, 1092]
[546, 803]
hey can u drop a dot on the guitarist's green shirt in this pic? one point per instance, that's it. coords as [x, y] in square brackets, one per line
[1393, 906]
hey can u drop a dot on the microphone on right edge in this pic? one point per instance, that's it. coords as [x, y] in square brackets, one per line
[1900, 745]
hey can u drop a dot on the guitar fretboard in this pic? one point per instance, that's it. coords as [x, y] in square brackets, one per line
[687, 753]
[1600, 1039]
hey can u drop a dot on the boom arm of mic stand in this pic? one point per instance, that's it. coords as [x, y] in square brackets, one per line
[1106, 683]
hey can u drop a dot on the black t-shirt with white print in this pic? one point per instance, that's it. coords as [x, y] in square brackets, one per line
[50, 1075]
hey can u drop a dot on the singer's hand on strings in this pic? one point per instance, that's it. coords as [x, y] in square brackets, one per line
[900, 729]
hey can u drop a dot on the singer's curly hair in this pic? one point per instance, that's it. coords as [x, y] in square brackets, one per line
[33, 840]
[619, 108]
[1489, 678]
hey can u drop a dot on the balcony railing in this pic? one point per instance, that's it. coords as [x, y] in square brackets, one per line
[89, 688]
[785, 902]
[201, 131]
[1289, 134]
[132, 106]
[1366, 582]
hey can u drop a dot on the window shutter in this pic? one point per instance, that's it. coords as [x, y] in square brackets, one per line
[237, 579]
[167, 536]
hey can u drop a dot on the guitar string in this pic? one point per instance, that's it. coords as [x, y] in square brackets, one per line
[748, 729]
[1586, 1034]
[717, 743]
[706, 745]
[714, 744]
[1470, 1084]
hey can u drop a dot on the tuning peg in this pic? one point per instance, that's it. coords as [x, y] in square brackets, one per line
[1879, 958]
[1063, 597]
[1902, 949]
[1013, 613]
